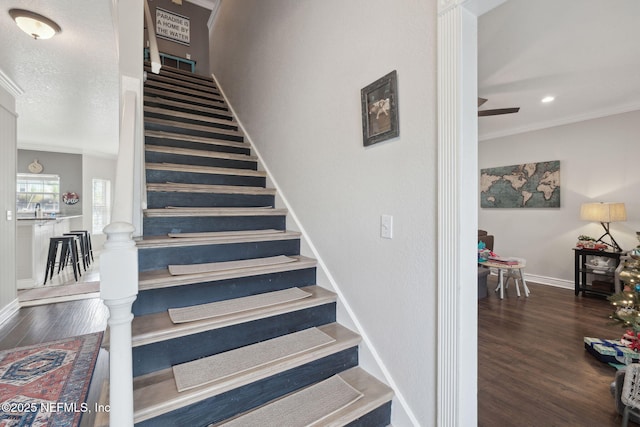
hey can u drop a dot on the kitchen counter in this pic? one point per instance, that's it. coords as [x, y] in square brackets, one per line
[56, 218]
[32, 246]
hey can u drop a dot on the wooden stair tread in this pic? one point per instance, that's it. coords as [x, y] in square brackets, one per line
[157, 279]
[212, 170]
[210, 188]
[185, 105]
[190, 116]
[374, 394]
[157, 327]
[194, 138]
[156, 393]
[216, 238]
[184, 91]
[199, 153]
[185, 97]
[189, 126]
[202, 212]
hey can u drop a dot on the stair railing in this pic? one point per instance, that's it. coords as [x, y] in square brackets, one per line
[119, 272]
[154, 54]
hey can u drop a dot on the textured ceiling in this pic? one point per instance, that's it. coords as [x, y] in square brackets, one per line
[70, 82]
[584, 52]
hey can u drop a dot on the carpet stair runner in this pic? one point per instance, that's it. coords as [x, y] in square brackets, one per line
[230, 327]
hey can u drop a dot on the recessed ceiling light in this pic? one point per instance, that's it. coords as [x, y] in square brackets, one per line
[548, 99]
[37, 26]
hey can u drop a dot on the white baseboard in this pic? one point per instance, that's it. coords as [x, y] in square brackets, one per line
[550, 281]
[544, 280]
[9, 310]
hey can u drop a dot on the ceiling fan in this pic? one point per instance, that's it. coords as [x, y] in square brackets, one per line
[496, 111]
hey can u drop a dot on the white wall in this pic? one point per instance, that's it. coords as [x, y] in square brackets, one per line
[598, 162]
[8, 293]
[99, 168]
[293, 71]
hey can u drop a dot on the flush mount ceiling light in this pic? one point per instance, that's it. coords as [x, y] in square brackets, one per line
[548, 99]
[37, 26]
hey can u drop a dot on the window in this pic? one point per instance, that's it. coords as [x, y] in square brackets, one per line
[34, 189]
[101, 204]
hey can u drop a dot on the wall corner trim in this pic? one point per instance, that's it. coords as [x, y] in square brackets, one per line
[9, 310]
[365, 338]
[215, 7]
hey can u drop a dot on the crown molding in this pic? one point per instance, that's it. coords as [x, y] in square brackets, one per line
[11, 86]
[620, 109]
[207, 4]
[214, 14]
[445, 5]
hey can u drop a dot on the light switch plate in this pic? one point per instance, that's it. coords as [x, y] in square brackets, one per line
[386, 226]
[9, 215]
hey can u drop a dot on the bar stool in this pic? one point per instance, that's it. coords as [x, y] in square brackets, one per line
[69, 254]
[87, 240]
[65, 243]
[83, 246]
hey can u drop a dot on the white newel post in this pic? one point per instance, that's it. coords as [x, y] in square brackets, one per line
[118, 289]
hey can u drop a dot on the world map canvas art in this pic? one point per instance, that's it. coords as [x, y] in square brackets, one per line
[531, 185]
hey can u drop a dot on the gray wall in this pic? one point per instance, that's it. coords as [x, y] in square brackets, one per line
[293, 71]
[68, 166]
[199, 39]
[598, 163]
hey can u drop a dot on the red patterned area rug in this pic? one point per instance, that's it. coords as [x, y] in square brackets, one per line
[47, 384]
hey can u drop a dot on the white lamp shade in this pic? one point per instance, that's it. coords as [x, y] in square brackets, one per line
[37, 26]
[603, 212]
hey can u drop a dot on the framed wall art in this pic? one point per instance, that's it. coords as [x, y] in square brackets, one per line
[380, 110]
[530, 185]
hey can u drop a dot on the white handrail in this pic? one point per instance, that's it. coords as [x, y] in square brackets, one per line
[119, 271]
[154, 54]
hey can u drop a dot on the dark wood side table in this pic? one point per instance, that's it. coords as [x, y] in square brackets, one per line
[602, 282]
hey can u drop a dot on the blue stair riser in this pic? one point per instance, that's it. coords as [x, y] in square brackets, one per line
[157, 300]
[165, 354]
[162, 176]
[226, 405]
[203, 86]
[157, 102]
[190, 92]
[161, 199]
[194, 145]
[155, 157]
[210, 133]
[161, 226]
[200, 121]
[157, 258]
[379, 417]
[175, 74]
[181, 98]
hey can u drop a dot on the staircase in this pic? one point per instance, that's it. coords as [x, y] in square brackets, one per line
[267, 350]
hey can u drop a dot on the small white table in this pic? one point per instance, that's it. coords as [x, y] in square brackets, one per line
[513, 271]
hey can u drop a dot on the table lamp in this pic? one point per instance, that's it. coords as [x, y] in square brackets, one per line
[604, 213]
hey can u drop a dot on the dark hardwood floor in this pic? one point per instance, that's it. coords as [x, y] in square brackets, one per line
[35, 325]
[533, 369]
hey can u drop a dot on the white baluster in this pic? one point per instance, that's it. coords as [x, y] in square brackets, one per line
[118, 289]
